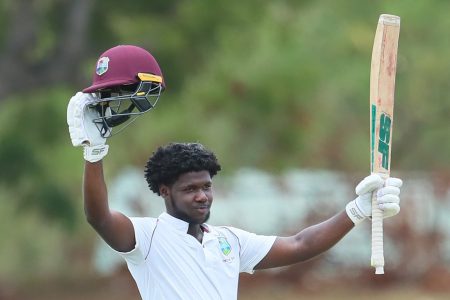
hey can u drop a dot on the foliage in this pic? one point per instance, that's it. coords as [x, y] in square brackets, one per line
[34, 156]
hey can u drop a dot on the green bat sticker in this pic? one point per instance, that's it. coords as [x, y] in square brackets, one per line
[385, 137]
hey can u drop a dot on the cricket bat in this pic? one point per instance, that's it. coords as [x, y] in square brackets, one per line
[382, 88]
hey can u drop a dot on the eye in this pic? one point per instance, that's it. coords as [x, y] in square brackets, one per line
[189, 189]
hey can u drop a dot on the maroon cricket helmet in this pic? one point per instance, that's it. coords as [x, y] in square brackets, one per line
[121, 65]
[128, 83]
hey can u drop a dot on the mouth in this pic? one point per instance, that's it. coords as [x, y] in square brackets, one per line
[202, 208]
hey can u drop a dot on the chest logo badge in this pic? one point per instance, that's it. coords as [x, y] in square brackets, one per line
[224, 245]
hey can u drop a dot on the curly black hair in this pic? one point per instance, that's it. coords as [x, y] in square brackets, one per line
[168, 162]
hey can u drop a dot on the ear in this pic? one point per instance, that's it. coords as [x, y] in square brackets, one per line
[164, 191]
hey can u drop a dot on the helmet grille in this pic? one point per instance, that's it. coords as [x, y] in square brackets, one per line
[119, 106]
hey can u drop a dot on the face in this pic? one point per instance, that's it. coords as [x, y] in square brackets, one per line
[190, 197]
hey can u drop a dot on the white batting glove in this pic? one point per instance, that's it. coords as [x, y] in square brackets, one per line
[83, 131]
[388, 199]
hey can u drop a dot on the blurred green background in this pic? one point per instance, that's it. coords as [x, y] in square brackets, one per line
[271, 85]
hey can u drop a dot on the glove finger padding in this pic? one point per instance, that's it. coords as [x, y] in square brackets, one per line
[93, 135]
[388, 200]
[388, 190]
[74, 117]
[392, 181]
[389, 209]
[80, 117]
[369, 184]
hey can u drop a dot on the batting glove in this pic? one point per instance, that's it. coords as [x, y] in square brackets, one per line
[388, 199]
[82, 129]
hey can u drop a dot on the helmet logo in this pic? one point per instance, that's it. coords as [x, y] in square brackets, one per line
[102, 66]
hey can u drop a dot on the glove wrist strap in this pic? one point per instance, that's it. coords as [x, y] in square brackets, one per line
[354, 212]
[95, 153]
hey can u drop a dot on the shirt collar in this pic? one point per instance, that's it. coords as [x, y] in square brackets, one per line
[179, 224]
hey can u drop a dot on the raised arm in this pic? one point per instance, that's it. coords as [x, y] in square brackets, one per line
[308, 243]
[316, 239]
[115, 228]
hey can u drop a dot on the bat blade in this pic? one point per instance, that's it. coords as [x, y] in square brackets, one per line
[382, 88]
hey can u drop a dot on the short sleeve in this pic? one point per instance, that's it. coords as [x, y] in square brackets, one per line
[253, 248]
[143, 231]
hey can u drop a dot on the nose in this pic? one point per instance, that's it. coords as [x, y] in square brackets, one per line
[201, 196]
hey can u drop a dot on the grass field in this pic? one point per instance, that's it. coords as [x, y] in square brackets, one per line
[119, 292]
[122, 287]
[289, 293]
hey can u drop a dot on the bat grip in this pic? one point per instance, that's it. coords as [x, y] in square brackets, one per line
[377, 259]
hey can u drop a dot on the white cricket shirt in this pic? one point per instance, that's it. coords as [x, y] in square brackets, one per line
[167, 263]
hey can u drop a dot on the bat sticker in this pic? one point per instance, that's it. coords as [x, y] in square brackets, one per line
[385, 136]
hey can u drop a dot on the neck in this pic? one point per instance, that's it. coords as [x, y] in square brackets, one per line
[196, 231]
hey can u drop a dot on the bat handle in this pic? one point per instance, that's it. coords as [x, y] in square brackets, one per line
[377, 259]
